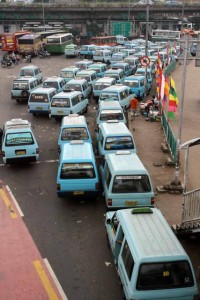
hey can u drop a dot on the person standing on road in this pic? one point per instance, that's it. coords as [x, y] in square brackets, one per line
[134, 107]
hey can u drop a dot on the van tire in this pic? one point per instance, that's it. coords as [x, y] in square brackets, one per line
[86, 109]
[25, 93]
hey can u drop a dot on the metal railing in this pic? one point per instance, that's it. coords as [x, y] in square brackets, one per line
[170, 138]
[191, 206]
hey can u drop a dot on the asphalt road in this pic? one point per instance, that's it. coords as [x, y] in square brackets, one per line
[71, 233]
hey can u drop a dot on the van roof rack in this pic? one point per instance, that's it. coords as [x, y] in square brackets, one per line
[142, 210]
[77, 142]
[122, 152]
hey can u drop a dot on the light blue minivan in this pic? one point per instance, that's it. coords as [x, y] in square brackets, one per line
[18, 142]
[55, 82]
[117, 92]
[110, 110]
[101, 84]
[87, 51]
[79, 85]
[112, 136]
[116, 73]
[99, 67]
[89, 75]
[73, 127]
[40, 99]
[137, 85]
[77, 171]
[69, 73]
[83, 64]
[125, 67]
[150, 261]
[66, 103]
[125, 180]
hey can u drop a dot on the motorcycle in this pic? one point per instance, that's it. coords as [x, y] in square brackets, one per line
[44, 54]
[5, 63]
[27, 58]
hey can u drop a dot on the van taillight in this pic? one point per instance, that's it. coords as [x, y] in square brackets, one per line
[152, 200]
[49, 111]
[58, 187]
[2, 153]
[109, 202]
[37, 150]
[97, 186]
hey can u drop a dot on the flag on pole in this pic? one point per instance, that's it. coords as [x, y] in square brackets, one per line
[166, 92]
[173, 100]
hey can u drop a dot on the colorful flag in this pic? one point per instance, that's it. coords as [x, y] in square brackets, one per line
[159, 62]
[173, 100]
[166, 91]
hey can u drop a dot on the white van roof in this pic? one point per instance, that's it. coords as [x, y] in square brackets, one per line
[73, 119]
[142, 229]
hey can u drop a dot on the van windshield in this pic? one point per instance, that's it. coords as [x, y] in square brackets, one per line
[19, 139]
[38, 98]
[131, 184]
[60, 102]
[165, 275]
[111, 115]
[76, 133]
[77, 171]
[119, 143]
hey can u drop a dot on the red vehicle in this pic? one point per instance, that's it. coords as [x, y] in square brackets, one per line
[104, 41]
[9, 40]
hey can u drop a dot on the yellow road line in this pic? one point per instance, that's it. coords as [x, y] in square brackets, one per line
[45, 280]
[8, 204]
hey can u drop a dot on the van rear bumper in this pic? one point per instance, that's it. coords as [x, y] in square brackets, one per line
[25, 159]
[63, 194]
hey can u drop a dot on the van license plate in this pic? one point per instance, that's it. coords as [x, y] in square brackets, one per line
[20, 152]
[78, 193]
[131, 203]
[39, 108]
[60, 112]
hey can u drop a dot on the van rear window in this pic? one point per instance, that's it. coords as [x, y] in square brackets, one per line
[77, 171]
[119, 143]
[22, 85]
[165, 275]
[132, 83]
[100, 86]
[27, 73]
[38, 98]
[76, 133]
[111, 115]
[51, 84]
[131, 184]
[19, 139]
[67, 74]
[109, 96]
[60, 102]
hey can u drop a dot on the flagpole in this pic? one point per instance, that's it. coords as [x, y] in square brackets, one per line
[182, 98]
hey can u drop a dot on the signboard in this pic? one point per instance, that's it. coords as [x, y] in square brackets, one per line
[145, 61]
[121, 28]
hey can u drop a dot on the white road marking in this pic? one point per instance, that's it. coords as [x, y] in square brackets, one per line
[57, 283]
[15, 201]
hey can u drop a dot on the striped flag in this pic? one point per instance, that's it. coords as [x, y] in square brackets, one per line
[173, 100]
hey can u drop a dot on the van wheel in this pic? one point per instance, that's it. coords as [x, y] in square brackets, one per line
[34, 114]
[17, 100]
[24, 93]
[86, 109]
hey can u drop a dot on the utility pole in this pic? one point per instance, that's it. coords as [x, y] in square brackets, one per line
[146, 40]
